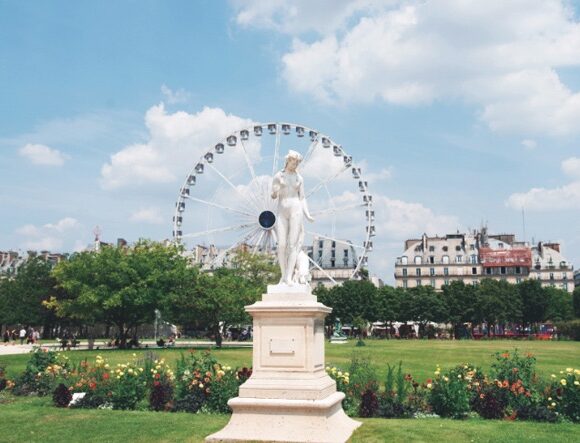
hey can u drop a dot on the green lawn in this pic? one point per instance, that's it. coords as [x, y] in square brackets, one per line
[35, 420]
[419, 356]
[30, 419]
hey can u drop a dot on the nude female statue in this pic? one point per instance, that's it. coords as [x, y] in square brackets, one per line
[288, 188]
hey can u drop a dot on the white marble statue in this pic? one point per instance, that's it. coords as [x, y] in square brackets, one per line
[288, 188]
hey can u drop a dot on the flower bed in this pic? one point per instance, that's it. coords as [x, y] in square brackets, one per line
[199, 383]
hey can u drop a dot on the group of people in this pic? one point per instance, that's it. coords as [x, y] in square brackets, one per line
[30, 335]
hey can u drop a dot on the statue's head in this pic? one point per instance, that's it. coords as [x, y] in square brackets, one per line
[293, 159]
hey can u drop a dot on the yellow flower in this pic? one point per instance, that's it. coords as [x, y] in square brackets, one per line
[549, 398]
[553, 404]
[130, 371]
[201, 385]
[577, 371]
[459, 376]
[339, 373]
[346, 374]
[134, 355]
[569, 370]
[553, 376]
[563, 382]
[437, 372]
[576, 382]
[429, 385]
[140, 369]
[445, 378]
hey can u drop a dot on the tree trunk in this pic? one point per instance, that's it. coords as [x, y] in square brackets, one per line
[122, 336]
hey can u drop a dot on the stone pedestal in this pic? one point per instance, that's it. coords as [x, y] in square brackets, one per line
[289, 396]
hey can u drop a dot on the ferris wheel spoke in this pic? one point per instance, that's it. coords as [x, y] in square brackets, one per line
[317, 234]
[317, 266]
[250, 166]
[315, 143]
[227, 180]
[337, 209]
[276, 149]
[241, 241]
[216, 205]
[326, 181]
[217, 230]
[258, 243]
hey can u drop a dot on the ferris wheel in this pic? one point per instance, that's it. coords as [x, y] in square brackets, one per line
[225, 201]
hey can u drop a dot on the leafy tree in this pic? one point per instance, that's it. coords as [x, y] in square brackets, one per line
[389, 300]
[535, 301]
[498, 302]
[460, 301]
[259, 269]
[120, 286]
[23, 294]
[217, 300]
[425, 305]
[560, 307]
[576, 301]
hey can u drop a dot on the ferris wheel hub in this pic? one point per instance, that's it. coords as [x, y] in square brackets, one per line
[267, 219]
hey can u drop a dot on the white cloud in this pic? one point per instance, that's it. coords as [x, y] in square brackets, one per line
[176, 141]
[571, 167]
[400, 220]
[545, 199]
[173, 97]
[50, 236]
[63, 225]
[500, 56]
[43, 155]
[148, 215]
[529, 144]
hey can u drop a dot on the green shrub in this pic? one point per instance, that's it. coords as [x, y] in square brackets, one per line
[570, 329]
[564, 394]
[224, 386]
[449, 396]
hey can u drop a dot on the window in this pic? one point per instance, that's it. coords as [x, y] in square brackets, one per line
[551, 276]
[472, 247]
[459, 259]
[458, 248]
[445, 271]
[518, 279]
[404, 272]
[445, 248]
[332, 263]
[488, 271]
[564, 276]
[445, 259]
[474, 271]
[473, 282]
[500, 245]
[333, 253]
[518, 270]
[320, 253]
[431, 259]
[418, 272]
[405, 284]
[418, 282]
[334, 244]
[418, 260]
[345, 261]
[433, 282]
[502, 270]
[473, 259]
[404, 260]
[446, 282]
[565, 286]
[320, 244]
[431, 248]
[345, 253]
[432, 271]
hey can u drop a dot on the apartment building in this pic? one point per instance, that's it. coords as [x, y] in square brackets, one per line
[472, 256]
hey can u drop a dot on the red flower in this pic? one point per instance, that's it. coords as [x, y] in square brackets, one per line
[93, 385]
[106, 376]
[156, 383]
[157, 376]
[429, 380]
[506, 355]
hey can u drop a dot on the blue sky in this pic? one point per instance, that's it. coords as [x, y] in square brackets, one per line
[460, 113]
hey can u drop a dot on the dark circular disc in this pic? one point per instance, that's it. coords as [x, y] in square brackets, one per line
[267, 219]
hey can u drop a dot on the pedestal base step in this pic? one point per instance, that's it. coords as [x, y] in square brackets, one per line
[277, 420]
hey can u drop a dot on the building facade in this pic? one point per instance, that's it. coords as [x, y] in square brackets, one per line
[473, 256]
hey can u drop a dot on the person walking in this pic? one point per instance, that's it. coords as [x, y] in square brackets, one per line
[22, 335]
[6, 336]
